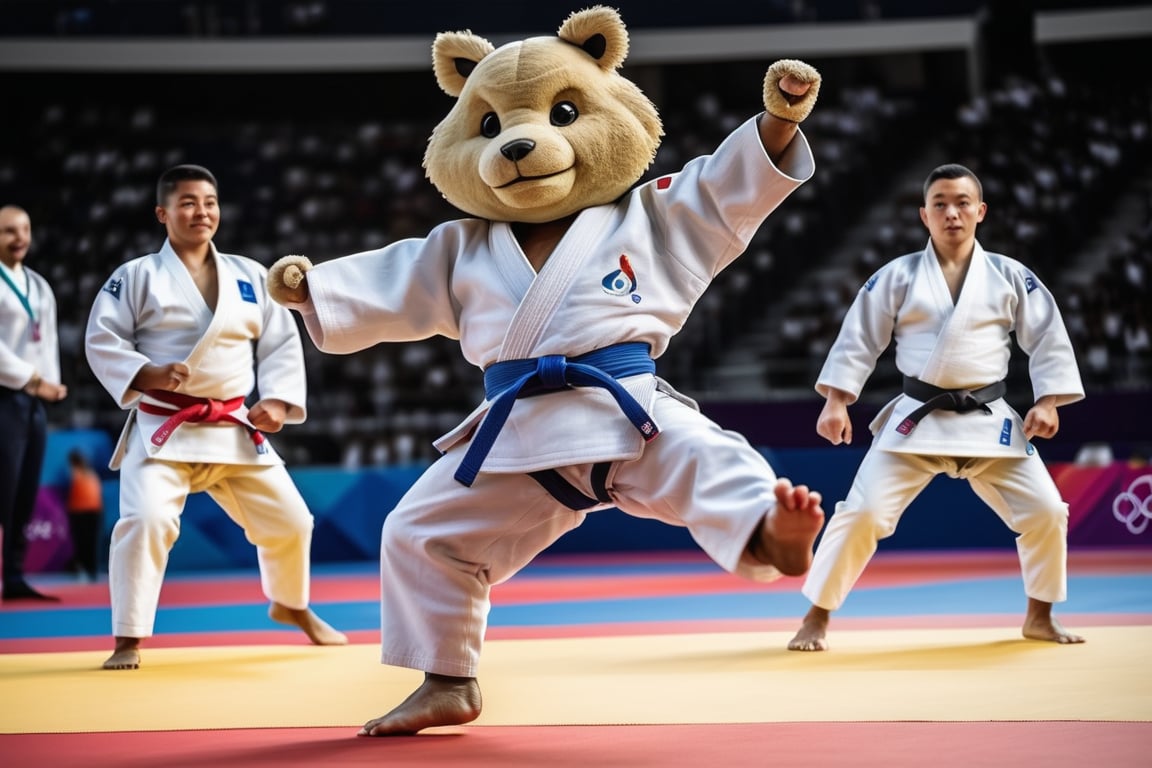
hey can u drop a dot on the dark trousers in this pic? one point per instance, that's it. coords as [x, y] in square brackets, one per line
[23, 438]
[85, 530]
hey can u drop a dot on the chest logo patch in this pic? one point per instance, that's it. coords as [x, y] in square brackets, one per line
[114, 287]
[247, 292]
[622, 281]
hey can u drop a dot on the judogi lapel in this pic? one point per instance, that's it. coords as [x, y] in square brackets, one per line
[949, 361]
[547, 290]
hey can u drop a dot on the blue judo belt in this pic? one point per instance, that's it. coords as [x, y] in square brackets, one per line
[509, 380]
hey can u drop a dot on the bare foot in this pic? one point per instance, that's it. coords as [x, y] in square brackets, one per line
[786, 537]
[440, 700]
[1040, 625]
[125, 655]
[318, 630]
[812, 632]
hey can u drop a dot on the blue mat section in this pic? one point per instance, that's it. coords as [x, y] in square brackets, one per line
[350, 506]
[1089, 594]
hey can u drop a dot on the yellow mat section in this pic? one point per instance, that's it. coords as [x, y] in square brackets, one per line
[874, 675]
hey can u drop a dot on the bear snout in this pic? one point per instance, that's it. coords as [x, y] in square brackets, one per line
[517, 149]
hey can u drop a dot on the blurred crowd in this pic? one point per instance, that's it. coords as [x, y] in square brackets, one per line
[1067, 174]
[220, 18]
[1053, 159]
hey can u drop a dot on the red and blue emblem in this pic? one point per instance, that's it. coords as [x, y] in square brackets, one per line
[621, 282]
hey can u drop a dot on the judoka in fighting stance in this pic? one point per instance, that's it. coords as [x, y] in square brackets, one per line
[180, 338]
[950, 309]
[563, 289]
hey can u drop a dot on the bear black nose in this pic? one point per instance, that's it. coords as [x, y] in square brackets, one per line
[518, 149]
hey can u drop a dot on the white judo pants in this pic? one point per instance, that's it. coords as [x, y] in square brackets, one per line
[445, 545]
[261, 499]
[1020, 491]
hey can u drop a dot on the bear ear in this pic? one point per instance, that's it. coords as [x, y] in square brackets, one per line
[600, 31]
[454, 56]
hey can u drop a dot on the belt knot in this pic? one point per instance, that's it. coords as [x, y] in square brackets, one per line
[507, 380]
[213, 410]
[552, 371]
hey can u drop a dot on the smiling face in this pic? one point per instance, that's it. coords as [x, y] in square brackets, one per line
[542, 128]
[15, 235]
[191, 214]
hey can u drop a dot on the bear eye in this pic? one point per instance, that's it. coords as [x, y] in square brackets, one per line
[490, 126]
[564, 113]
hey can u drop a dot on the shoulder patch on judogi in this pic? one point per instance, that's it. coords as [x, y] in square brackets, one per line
[114, 286]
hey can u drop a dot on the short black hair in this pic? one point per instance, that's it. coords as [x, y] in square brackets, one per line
[952, 171]
[176, 174]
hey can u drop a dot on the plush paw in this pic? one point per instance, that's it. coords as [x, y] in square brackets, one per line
[790, 89]
[286, 283]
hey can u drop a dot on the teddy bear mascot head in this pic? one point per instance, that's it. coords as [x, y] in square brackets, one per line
[546, 127]
[563, 285]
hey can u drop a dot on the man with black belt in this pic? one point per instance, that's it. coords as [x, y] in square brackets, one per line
[29, 377]
[950, 309]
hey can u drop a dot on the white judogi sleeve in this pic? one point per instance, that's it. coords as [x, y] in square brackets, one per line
[961, 345]
[627, 272]
[1043, 336]
[21, 355]
[150, 311]
[866, 330]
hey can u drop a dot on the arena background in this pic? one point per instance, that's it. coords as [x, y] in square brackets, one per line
[314, 116]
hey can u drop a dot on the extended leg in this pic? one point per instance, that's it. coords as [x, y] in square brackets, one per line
[885, 484]
[1023, 494]
[786, 536]
[267, 505]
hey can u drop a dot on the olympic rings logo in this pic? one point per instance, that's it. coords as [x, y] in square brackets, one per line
[1133, 507]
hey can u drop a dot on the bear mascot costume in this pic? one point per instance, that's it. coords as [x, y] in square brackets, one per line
[563, 287]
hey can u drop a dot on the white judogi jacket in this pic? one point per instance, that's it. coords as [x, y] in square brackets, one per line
[965, 345]
[626, 272]
[150, 311]
[21, 355]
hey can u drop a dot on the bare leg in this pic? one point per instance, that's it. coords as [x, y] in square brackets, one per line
[786, 537]
[125, 655]
[1040, 625]
[811, 636]
[318, 631]
[440, 700]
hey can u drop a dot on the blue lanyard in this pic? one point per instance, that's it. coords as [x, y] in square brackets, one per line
[24, 300]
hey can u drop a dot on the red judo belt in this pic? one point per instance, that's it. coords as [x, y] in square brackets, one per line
[196, 410]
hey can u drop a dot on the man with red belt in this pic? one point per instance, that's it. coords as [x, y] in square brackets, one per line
[180, 338]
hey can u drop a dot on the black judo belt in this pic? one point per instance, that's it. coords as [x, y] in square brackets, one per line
[938, 399]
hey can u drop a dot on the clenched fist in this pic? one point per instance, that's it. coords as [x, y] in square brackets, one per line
[286, 283]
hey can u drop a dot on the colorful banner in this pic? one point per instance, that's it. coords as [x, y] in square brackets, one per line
[1109, 506]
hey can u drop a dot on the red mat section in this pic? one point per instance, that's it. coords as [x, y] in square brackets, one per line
[862, 745]
[550, 578]
[561, 578]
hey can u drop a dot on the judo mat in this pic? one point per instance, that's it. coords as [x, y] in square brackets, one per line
[614, 660]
